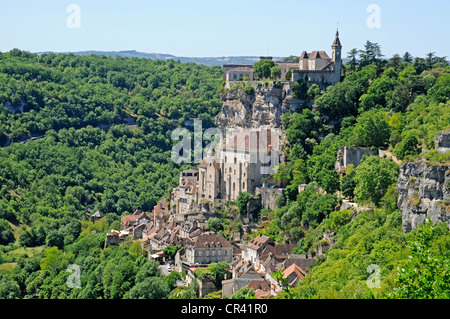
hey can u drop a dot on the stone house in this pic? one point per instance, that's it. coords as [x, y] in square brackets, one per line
[238, 72]
[251, 251]
[230, 286]
[184, 195]
[113, 238]
[300, 260]
[129, 221]
[294, 274]
[272, 255]
[208, 248]
[138, 230]
[209, 176]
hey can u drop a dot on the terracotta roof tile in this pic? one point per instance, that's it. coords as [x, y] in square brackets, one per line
[210, 238]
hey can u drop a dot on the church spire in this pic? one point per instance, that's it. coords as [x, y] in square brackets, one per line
[337, 42]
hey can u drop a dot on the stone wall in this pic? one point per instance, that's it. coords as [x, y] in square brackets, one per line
[205, 287]
[268, 196]
[321, 78]
[347, 156]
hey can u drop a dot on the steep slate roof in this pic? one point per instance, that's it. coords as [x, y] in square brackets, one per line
[319, 55]
[304, 55]
[337, 42]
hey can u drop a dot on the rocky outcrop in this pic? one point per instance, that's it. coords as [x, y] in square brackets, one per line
[442, 142]
[16, 109]
[424, 191]
[264, 108]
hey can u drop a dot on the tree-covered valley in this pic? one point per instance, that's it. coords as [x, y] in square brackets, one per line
[87, 157]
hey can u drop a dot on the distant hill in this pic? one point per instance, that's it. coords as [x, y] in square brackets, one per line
[209, 61]
[161, 56]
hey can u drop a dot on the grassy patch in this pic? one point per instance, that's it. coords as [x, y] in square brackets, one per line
[7, 267]
[29, 251]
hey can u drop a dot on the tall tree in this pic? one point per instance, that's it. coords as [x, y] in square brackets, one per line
[373, 177]
[353, 56]
[407, 57]
[370, 54]
[263, 68]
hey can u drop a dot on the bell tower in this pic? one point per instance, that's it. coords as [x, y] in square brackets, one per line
[336, 49]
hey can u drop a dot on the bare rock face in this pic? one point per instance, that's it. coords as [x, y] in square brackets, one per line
[424, 191]
[264, 108]
[442, 142]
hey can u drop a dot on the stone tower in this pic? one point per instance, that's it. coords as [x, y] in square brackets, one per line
[337, 56]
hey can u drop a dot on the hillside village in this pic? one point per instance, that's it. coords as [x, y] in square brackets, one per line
[243, 162]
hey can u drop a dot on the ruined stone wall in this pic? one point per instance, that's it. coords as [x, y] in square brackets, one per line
[268, 196]
[347, 156]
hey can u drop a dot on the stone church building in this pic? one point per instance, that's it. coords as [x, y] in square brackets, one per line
[239, 165]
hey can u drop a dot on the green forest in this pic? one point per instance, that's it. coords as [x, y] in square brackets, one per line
[85, 155]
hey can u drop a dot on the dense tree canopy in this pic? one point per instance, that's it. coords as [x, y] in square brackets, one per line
[88, 157]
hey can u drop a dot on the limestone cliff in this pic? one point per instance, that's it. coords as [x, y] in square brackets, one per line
[424, 191]
[264, 108]
[442, 142]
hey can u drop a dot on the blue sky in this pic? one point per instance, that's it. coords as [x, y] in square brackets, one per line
[200, 28]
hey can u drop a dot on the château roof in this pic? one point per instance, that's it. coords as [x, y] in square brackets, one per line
[319, 55]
